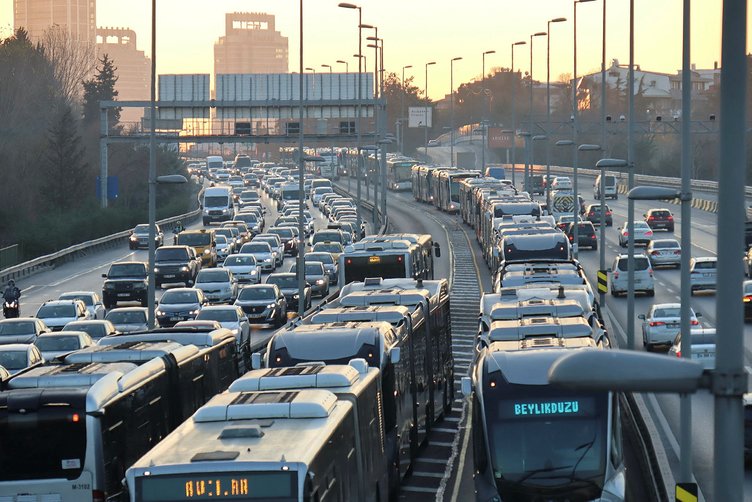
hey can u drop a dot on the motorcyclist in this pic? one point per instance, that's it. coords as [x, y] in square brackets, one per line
[176, 230]
[11, 293]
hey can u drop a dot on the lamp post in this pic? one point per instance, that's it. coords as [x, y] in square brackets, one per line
[528, 167]
[152, 167]
[603, 81]
[630, 181]
[347, 71]
[451, 109]
[548, 108]
[402, 108]
[525, 135]
[485, 112]
[346, 5]
[313, 70]
[514, 112]
[425, 144]
[330, 80]
[301, 178]
[604, 164]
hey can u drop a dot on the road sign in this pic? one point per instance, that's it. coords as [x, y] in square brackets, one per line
[497, 138]
[686, 492]
[602, 281]
[420, 116]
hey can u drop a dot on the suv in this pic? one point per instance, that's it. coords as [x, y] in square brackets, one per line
[140, 237]
[593, 214]
[609, 187]
[125, 282]
[643, 275]
[176, 264]
[659, 219]
[57, 313]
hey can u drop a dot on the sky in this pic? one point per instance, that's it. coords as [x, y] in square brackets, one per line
[419, 31]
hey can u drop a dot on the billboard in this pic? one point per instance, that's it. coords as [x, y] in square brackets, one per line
[420, 116]
[498, 138]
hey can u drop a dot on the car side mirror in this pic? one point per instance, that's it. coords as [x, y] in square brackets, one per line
[394, 355]
[256, 360]
[641, 316]
[104, 276]
[467, 386]
[698, 314]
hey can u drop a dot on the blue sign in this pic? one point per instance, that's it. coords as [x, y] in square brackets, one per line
[113, 187]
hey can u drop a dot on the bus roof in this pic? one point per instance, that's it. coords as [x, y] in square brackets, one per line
[338, 379]
[498, 311]
[542, 327]
[200, 337]
[522, 367]
[135, 352]
[393, 314]
[433, 287]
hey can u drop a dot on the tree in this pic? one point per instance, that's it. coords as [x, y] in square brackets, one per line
[101, 88]
[72, 61]
[66, 174]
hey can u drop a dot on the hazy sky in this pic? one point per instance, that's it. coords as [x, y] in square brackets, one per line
[418, 31]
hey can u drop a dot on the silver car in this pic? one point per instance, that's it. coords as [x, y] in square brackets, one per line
[91, 299]
[642, 234]
[316, 276]
[702, 342]
[127, 319]
[662, 323]
[58, 313]
[664, 253]
[262, 251]
[21, 330]
[218, 285]
[18, 356]
[233, 318]
[52, 345]
[244, 267]
[702, 273]
[330, 265]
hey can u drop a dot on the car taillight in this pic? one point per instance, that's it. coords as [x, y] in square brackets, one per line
[694, 322]
[626, 234]
[748, 299]
[591, 213]
[678, 251]
[678, 353]
[592, 236]
[670, 218]
[649, 232]
[571, 238]
[654, 253]
[650, 271]
[651, 218]
[97, 496]
[616, 275]
[608, 213]
[657, 323]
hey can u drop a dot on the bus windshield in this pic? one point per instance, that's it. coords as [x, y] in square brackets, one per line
[546, 440]
[454, 188]
[42, 444]
[403, 171]
[358, 268]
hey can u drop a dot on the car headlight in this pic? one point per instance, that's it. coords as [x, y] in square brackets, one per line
[156, 270]
[254, 271]
[319, 281]
[295, 297]
[109, 285]
[184, 269]
[271, 305]
[160, 312]
[139, 285]
[194, 312]
[267, 260]
[207, 251]
[134, 238]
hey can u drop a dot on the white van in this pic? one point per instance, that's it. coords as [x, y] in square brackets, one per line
[609, 189]
[643, 275]
[217, 204]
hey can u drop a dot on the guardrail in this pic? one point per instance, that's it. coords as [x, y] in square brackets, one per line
[52, 260]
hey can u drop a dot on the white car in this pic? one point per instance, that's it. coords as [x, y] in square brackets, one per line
[53, 345]
[643, 275]
[662, 323]
[91, 299]
[15, 357]
[642, 234]
[244, 267]
[561, 183]
[233, 318]
[262, 251]
[218, 285]
[702, 273]
[58, 313]
[223, 246]
[664, 252]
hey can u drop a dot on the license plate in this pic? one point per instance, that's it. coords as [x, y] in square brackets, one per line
[176, 318]
[707, 275]
[124, 295]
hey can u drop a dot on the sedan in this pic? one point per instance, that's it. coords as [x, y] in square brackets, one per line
[179, 304]
[661, 324]
[316, 276]
[664, 252]
[642, 234]
[702, 343]
[586, 236]
[19, 356]
[244, 268]
[127, 319]
[288, 284]
[262, 252]
[659, 219]
[330, 265]
[263, 303]
[702, 273]
[95, 329]
[91, 300]
[224, 247]
[58, 313]
[21, 330]
[233, 318]
[53, 345]
[218, 285]
[333, 248]
[140, 237]
[593, 214]
[277, 246]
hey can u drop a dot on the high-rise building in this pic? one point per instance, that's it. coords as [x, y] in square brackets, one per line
[133, 68]
[250, 45]
[79, 17]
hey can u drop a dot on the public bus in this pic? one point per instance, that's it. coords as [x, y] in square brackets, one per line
[467, 189]
[389, 256]
[71, 430]
[422, 181]
[382, 347]
[287, 445]
[399, 174]
[446, 188]
[535, 441]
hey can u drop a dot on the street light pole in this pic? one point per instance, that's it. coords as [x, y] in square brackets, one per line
[451, 108]
[152, 170]
[514, 113]
[630, 202]
[425, 145]
[603, 82]
[548, 109]
[485, 112]
[529, 166]
[301, 178]
[402, 108]
[313, 70]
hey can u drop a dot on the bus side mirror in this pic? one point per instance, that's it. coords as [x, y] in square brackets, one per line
[394, 355]
[467, 386]
[256, 360]
[437, 249]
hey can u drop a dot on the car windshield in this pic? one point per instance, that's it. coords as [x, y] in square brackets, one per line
[171, 254]
[641, 263]
[17, 328]
[216, 275]
[640, 225]
[285, 233]
[94, 330]
[256, 248]
[130, 317]
[127, 270]
[13, 359]
[179, 297]
[262, 293]
[86, 298]
[668, 312]
[747, 289]
[221, 239]
[224, 315]
[50, 311]
[57, 343]
[660, 214]
[284, 282]
[238, 261]
[329, 247]
[215, 201]
[324, 258]
[194, 239]
[141, 229]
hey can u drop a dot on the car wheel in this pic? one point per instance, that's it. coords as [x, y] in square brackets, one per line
[595, 247]
[621, 244]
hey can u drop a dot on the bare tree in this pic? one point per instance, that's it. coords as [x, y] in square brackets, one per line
[73, 61]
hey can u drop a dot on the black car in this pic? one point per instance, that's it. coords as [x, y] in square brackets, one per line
[593, 214]
[139, 237]
[125, 282]
[537, 184]
[586, 236]
[263, 303]
[288, 238]
[176, 264]
[659, 219]
[287, 282]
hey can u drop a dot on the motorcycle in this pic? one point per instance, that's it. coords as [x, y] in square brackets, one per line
[10, 309]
